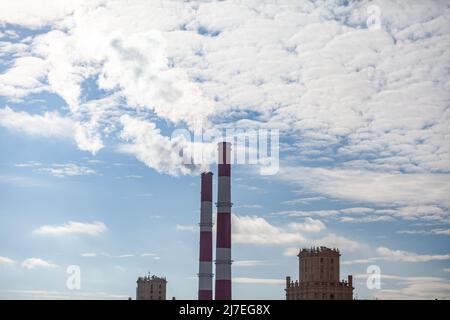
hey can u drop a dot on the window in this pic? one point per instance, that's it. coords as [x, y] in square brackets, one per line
[331, 296]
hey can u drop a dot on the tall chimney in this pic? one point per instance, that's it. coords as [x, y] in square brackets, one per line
[223, 241]
[205, 275]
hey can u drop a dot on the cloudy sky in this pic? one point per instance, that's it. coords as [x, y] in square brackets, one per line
[91, 91]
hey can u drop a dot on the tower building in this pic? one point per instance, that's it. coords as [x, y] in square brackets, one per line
[319, 277]
[151, 288]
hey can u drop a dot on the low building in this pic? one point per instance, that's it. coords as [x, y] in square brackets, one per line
[151, 288]
[319, 277]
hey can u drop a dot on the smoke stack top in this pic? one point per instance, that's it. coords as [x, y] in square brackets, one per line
[224, 149]
[206, 186]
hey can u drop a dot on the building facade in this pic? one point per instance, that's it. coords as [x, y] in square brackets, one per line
[319, 277]
[151, 288]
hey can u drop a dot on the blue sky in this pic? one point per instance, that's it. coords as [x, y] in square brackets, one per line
[90, 93]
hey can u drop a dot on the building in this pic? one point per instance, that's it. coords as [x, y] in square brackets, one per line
[319, 277]
[151, 288]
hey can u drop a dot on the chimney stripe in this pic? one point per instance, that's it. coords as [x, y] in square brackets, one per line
[223, 240]
[205, 275]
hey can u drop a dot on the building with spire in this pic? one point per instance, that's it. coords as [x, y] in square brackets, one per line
[151, 288]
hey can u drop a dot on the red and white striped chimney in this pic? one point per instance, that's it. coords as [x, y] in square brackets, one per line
[223, 241]
[205, 275]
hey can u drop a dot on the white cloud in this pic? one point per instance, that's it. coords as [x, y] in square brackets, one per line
[120, 268]
[94, 161]
[120, 256]
[23, 78]
[249, 263]
[336, 241]
[67, 170]
[6, 261]
[366, 219]
[93, 254]
[66, 295]
[133, 176]
[59, 170]
[190, 228]
[411, 288]
[373, 187]
[87, 138]
[147, 195]
[49, 124]
[23, 182]
[89, 254]
[304, 214]
[371, 103]
[359, 214]
[95, 228]
[347, 92]
[417, 290]
[248, 206]
[386, 254]
[256, 230]
[356, 210]
[35, 13]
[426, 212]
[331, 240]
[251, 188]
[28, 164]
[438, 231]
[138, 64]
[405, 256]
[33, 263]
[357, 261]
[148, 255]
[302, 200]
[13, 48]
[292, 251]
[396, 195]
[309, 225]
[155, 150]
